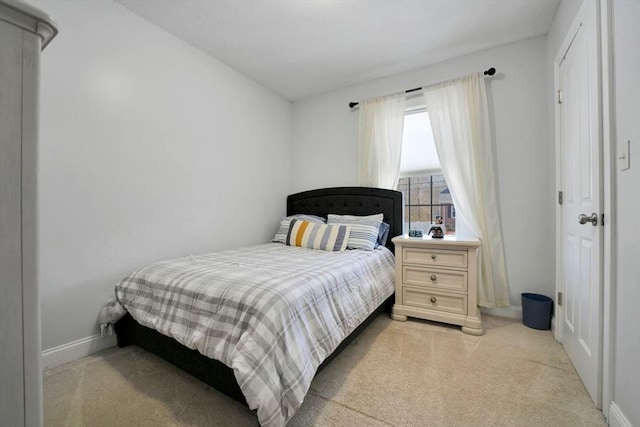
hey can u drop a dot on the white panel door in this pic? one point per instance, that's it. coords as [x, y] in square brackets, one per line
[581, 225]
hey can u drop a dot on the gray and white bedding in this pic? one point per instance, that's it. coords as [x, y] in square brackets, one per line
[271, 312]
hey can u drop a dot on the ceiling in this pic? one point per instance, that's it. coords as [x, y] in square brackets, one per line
[300, 48]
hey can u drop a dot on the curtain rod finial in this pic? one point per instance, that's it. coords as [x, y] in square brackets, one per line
[490, 72]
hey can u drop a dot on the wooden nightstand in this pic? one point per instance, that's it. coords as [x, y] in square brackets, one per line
[437, 279]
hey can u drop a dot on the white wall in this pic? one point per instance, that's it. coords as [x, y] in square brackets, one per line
[626, 375]
[149, 150]
[325, 136]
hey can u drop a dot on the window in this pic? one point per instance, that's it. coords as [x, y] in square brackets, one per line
[427, 200]
[426, 194]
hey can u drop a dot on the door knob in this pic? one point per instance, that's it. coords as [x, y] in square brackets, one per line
[593, 219]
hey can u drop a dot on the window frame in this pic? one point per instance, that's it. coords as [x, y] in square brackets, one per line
[449, 208]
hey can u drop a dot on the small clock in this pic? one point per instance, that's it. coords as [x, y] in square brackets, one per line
[415, 233]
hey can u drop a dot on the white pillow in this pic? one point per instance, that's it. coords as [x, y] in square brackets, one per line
[364, 229]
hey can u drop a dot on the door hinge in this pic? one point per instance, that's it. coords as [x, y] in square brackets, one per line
[560, 299]
[559, 197]
[602, 223]
[559, 96]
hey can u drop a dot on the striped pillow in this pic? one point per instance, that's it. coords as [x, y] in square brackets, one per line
[364, 229]
[314, 235]
[281, 234]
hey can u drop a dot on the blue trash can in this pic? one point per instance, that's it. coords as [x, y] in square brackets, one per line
[536, 311]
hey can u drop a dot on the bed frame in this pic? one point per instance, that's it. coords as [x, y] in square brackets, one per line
[321, 202]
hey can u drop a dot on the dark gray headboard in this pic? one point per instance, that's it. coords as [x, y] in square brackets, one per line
[351, 201]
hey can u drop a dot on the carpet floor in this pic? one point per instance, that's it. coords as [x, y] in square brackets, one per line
[413, 373]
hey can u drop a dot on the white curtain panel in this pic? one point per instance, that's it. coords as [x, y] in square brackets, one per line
[460, 122]
[381, 122]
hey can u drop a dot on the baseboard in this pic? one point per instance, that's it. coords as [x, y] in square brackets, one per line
[75, 350]
[616, 417]
[512, 312]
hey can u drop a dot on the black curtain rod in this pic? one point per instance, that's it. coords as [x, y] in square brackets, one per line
[490, 72]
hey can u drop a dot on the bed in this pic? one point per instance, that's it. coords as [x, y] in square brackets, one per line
[315, 355]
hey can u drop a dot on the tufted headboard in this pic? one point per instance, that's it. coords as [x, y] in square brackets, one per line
[351, 201]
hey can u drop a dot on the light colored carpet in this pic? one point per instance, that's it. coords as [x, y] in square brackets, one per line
[414, 373]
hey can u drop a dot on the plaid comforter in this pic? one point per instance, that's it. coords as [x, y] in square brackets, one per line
[271, 312]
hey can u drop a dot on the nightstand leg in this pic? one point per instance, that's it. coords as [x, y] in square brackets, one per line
[399, 317]
[472, 331]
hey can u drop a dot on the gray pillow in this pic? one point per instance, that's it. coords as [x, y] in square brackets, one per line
[383, 234]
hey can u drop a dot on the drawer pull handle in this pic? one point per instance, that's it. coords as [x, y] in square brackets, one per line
[433, 256]
[433, 300]
[433, 277]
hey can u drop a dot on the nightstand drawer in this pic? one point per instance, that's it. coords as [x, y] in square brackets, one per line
[435, 257]
[446, 280]
[423, 298]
